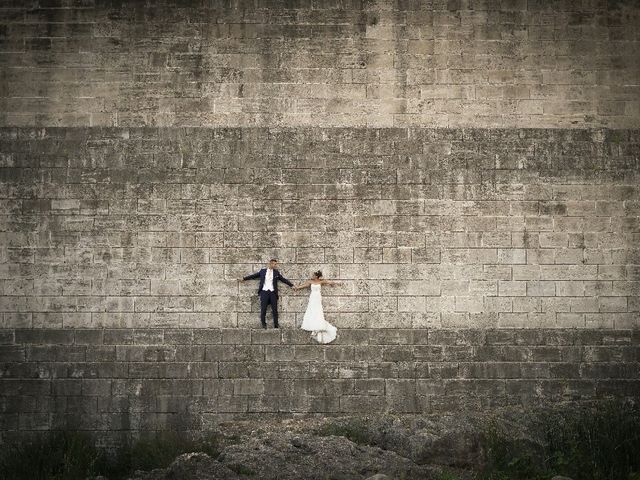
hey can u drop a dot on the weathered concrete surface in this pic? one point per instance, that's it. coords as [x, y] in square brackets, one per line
[447, 63]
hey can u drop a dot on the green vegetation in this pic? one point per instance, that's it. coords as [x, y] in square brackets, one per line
[447, 476]
[55, 455]
[354, 429]
[71, 455]
[598, 442]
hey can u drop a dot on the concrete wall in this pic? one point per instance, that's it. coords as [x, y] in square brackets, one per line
[482, 266]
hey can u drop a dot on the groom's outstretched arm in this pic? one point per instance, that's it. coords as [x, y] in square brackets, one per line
[249, 277]
[280, 277]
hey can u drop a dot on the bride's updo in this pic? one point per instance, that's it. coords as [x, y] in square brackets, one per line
[317, 274]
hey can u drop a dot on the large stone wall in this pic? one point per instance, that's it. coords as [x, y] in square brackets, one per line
[113, 381]
[118, 227]
[523, 63]
[480, 267]
[150, 156]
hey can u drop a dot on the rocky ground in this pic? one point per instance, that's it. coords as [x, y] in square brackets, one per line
[535, 442]
[389, 446]
[426, 447]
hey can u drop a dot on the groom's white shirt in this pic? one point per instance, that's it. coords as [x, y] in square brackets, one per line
[268, 280]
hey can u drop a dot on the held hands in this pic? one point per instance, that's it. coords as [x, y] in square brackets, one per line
[295, 287]
[300, 287]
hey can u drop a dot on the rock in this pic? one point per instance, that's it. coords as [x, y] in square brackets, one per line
[189, 466]
[560, 477]
[284, 455]
[297, 442]
[288, 456]
[450, 440]
[402, 446]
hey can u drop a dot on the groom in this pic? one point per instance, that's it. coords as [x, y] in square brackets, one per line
[268, 290]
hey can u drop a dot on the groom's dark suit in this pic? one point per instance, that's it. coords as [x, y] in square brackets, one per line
[268, 297]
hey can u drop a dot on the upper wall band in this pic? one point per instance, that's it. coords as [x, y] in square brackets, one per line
[349, 63]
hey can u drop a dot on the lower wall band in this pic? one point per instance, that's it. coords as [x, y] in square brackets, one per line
[189, 379]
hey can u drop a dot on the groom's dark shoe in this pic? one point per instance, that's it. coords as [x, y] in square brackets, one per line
[264, 325]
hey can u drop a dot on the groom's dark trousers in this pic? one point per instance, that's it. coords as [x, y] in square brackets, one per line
[267, 298]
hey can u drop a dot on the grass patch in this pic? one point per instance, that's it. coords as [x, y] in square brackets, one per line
[157, 452]
[53, 455]
[72, 455]
[354, 429]
[597, 442]
[447, 476]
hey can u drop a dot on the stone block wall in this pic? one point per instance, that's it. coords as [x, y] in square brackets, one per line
[480, 267]
[456, 63]
[468, 170]
[113, 381]
[129, 227]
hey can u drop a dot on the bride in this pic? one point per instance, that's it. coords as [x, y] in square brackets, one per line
[321, 330]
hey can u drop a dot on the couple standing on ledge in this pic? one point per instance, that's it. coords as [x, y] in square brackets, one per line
[313, 320]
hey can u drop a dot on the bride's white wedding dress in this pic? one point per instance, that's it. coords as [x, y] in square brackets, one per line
[313, 320]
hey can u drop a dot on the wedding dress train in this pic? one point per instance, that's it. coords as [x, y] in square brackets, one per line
[313, 320]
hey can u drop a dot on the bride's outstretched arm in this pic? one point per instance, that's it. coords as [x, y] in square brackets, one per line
[302, 285]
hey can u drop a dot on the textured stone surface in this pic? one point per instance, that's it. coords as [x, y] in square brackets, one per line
[195, 385]
[150, 156]
[455, 228]
[456, 445]
[283, 455]
[371, 447]
[191, 466]
[481, 267]
[315, 62]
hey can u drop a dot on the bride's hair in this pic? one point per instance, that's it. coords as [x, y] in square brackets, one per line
[317, 274]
